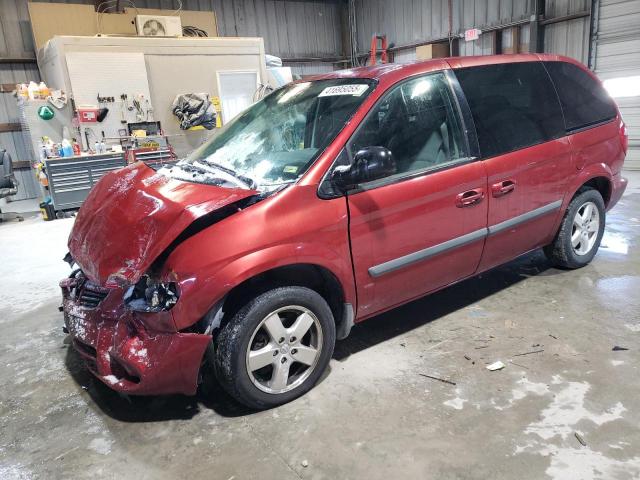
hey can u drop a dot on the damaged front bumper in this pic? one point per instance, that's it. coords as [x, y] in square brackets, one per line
[123, 349]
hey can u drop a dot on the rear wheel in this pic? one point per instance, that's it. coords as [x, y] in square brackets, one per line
[580, 233]
[276, 347]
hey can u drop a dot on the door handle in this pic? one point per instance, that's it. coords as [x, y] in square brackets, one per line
[469, 198]
[502, 188]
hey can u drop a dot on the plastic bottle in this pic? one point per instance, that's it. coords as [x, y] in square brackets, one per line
[103, 147]
[46, 145]
[42, 151]
[23, 91]
[96, 147]
[67, 149]
[76, 148]
[42, 178]
[43, 91]
[33, 90]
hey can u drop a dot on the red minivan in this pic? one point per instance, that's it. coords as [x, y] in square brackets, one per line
[327, 202]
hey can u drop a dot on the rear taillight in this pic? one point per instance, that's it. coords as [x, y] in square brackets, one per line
[624, 136]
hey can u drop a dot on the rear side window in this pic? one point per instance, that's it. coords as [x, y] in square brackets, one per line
[513, 105]
[584, 101]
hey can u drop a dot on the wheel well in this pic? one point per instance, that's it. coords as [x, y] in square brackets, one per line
[315, 277]
[602, 185]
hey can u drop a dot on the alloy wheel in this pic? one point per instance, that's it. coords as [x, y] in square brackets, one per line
[284, 349]
[586, 225]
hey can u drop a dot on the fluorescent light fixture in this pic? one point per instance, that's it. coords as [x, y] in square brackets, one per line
[623, 86]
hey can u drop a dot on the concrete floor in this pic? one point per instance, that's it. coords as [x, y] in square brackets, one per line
[373, 415]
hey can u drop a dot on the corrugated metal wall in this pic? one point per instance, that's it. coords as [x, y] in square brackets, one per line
[16, 43]
[409, 21]
[618, 57]
[569, 38]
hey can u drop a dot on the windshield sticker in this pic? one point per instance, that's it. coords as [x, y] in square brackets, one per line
[290, 169]
[356, 90]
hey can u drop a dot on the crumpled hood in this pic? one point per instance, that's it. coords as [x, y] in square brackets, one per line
[132, 215]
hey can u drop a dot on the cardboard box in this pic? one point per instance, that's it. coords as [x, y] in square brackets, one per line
[432, 50]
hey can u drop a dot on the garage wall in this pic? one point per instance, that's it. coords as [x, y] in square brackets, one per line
[410, 21]
[570, 38]
[617, 57]
[306, 29]
[290, 28]
[16, 44]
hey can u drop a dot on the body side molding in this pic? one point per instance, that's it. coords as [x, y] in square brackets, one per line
[420, 255]
[428, 252]
[525, 217]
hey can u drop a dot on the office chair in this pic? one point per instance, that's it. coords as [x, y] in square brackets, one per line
[8, 184]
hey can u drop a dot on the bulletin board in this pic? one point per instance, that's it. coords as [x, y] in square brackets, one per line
[109, 74]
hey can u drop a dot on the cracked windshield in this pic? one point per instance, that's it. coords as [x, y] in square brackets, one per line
[276, 140]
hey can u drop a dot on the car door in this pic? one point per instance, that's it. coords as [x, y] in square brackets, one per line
[422, 227]
[527, 156]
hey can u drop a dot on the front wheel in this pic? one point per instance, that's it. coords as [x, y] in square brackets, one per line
[580, 233]
[276, 347]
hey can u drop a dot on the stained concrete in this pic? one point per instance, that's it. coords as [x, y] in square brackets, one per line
[373, 415]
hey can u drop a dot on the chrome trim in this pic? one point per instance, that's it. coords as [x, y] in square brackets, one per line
[420, 255]
[525, 217]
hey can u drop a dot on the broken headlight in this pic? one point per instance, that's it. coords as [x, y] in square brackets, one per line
[151, 296]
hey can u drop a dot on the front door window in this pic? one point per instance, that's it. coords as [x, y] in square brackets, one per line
[417, 122]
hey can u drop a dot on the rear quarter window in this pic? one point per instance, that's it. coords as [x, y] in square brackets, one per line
[584, 101]
[514, 106]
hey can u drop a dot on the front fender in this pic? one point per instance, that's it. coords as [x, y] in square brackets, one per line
[292, 227]
[206, 287]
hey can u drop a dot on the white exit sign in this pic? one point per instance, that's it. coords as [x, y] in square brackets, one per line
[472, 34]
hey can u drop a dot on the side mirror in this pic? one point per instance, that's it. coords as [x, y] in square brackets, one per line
[369, 163]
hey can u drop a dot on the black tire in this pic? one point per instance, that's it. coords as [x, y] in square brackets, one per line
[234, 338]
[560, 252]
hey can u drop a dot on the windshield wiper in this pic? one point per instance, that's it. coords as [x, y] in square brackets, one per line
[249, 183]
[190, 168]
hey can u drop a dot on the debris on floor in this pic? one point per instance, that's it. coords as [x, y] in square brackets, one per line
[580, 439]
[496, 366]
[518, 365]
[528, 353]
[619, 349]
[437, 378]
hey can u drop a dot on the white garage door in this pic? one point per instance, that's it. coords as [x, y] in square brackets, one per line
[618, 64]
